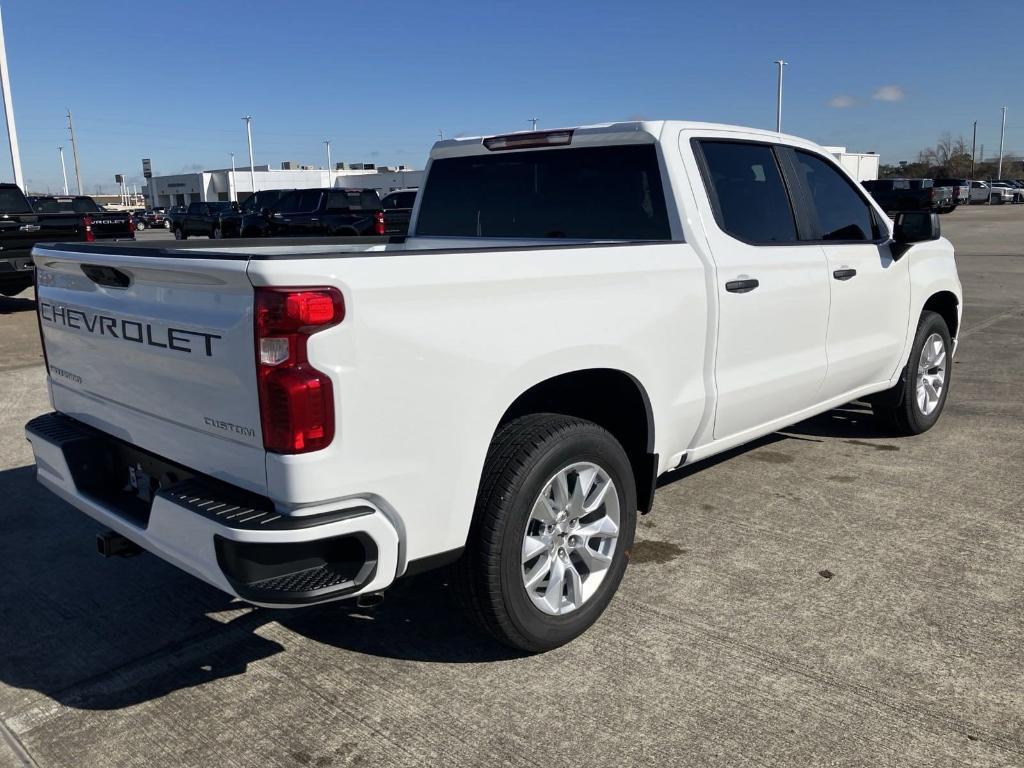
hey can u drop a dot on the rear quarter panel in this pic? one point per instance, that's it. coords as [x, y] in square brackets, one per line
[435, 347]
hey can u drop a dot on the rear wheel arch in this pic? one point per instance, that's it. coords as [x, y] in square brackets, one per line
[610, 398]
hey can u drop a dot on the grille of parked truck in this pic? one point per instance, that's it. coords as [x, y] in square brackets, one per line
[573, 314]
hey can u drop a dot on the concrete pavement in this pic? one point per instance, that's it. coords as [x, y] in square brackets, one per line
[827, 596]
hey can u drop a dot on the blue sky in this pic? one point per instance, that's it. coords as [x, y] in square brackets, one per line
[170, 81]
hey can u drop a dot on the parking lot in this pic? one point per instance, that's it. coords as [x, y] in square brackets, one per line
[826, 596]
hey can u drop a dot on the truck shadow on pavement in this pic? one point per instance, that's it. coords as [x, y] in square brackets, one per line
[95, 634]
[103, 634]
[9, 305]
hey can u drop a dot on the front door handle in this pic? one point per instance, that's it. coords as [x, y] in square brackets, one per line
[741, 286]
[844, 274]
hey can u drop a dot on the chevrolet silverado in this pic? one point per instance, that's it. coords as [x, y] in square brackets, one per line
[573, 314]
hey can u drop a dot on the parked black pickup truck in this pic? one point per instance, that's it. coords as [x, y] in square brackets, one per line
[397, 207]
[250, 219]
[201, 219]
[53, 219]
[911, 195]
[326, 212]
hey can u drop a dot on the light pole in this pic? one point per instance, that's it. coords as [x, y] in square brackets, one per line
[778, 98]
[1002, 133]
[12, 134]
[974, 143]
[63, 169]
[252, 166]
[534, 121]
[327, 143]
[234, 192]
[74, 153]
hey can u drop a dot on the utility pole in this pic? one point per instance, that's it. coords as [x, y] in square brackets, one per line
[12, 133]
[534, 121]
[974, 143]
[252, 165]
[778, 97]
[74, 153]
[440, 134]
[234, 192]
[327, 143]
[1002, 134]
[63, 169]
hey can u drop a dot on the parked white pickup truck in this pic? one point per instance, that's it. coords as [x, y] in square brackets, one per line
[574, 313]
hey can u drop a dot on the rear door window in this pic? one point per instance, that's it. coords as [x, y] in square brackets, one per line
[590, 193]
[747, 192]
[842, 214]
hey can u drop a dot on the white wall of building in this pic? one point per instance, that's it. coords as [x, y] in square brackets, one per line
[862, 165]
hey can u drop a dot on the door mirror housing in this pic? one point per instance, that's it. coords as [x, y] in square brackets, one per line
[914, 227]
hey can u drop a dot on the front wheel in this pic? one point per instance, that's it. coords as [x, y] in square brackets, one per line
[218, 233]
[167, 225]
[179, 235]
[551, 534]
[140, 225]
[917, 402]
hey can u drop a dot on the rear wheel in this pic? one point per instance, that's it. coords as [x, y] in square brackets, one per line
[140, 225]
[551, 534]
[167, 224]
[915, 404]
[218, 233]
[179, 235]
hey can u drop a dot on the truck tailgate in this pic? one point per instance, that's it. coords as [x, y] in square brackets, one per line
[157, 351]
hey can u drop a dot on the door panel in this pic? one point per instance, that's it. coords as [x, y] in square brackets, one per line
[772, 290]
[771, 340]
[869, 314]
[869, 292]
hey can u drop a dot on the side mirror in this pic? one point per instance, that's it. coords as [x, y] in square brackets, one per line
[914, 227]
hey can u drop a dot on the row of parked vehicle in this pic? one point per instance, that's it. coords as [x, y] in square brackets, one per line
[331, 212]
[942, 195]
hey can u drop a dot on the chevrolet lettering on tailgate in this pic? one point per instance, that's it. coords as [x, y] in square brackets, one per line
[178, 339]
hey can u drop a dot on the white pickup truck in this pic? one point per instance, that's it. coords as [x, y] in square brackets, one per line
[574, 313]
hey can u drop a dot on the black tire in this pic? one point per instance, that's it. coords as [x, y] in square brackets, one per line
[898, 408]
[217, 234]
[167, 224]
[140, 225]
[523, 456]
[179, 234]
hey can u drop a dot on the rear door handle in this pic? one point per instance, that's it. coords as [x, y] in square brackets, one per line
[741, 286]
[844, 274]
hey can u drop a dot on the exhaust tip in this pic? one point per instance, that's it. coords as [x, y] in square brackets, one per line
[370, 600]
[111, 544]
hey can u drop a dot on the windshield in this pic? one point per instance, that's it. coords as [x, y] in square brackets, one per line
[219, 207]
[592, 193]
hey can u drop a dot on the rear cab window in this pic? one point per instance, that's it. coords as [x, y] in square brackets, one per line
[588, 193]
[747, 191]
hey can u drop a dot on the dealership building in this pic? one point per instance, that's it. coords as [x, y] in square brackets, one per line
[225, 184]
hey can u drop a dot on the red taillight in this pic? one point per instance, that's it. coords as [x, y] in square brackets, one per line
[378, 222]
[296, 400]
[87, 229]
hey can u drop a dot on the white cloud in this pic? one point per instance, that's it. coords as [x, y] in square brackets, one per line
[889, 93]
[842, 102]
